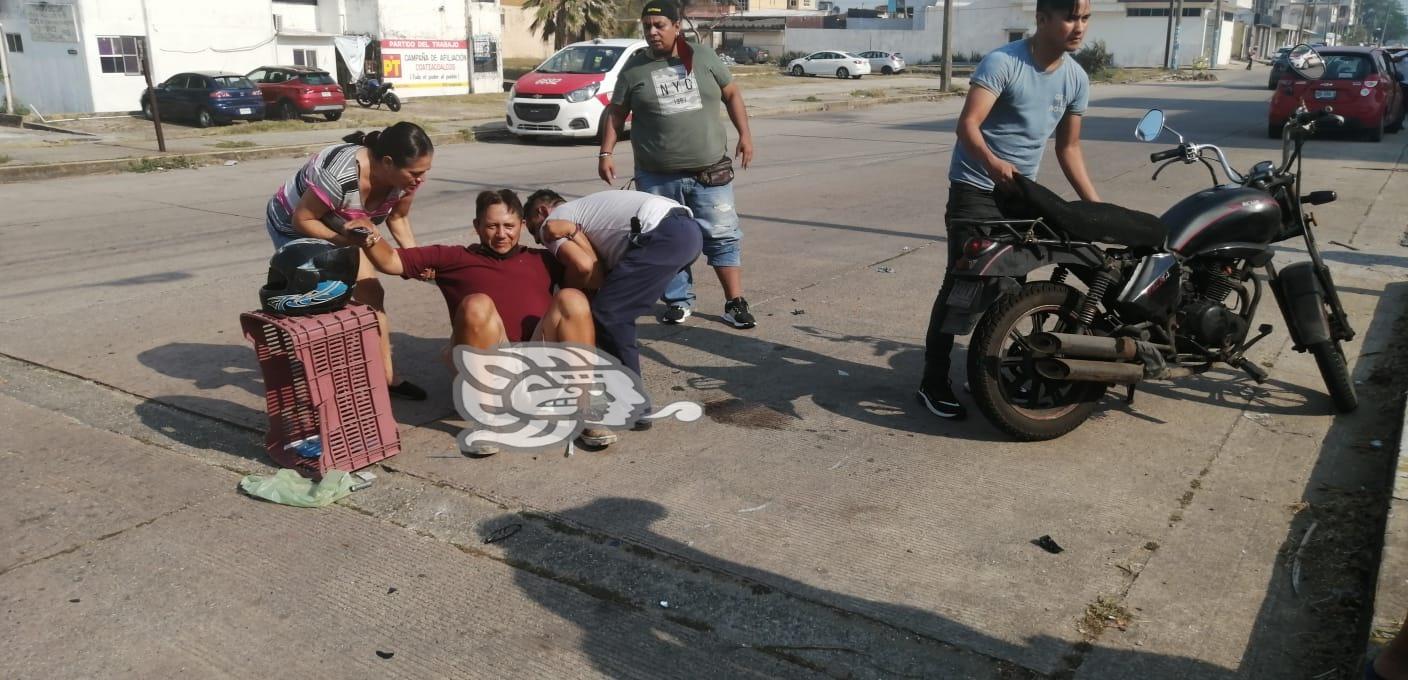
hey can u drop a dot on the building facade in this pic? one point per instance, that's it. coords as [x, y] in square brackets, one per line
[87, 55]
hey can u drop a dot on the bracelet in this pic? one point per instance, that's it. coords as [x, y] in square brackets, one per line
[603, 154]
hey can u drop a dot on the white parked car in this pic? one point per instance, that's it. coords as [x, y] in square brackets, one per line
[884, 62]
[565, 95]
[839, 64]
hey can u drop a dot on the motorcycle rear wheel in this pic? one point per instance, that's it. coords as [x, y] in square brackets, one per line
[1001, 374]
[1329, 356]
[365, 101]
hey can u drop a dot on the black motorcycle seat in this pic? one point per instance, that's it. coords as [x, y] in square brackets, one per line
[1082, 220]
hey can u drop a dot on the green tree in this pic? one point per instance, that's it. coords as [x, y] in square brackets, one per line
[566, 21]
[1379, 21]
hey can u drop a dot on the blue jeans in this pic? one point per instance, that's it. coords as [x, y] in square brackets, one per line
[714, 210]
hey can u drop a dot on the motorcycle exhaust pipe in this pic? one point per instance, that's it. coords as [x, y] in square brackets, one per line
[1090, 371]
[1083, 346]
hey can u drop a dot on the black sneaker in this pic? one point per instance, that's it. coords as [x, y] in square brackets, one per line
[941, 401]
[675, 315]
[407, 390]
[736, 313]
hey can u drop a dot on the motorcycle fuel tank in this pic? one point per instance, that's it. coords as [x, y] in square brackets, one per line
[1222, 215]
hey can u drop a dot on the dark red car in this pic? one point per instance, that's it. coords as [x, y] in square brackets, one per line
[292, 91]
[1360, 83]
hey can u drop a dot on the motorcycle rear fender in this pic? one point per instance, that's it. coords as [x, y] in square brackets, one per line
[1302, 301]
[962, 319]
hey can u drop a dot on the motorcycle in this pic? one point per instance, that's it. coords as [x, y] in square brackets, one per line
[1169, 297]
[372, 92]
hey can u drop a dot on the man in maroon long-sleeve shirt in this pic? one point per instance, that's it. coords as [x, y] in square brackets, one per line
[497, 291]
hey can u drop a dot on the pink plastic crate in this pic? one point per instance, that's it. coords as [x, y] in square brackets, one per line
[323, 375]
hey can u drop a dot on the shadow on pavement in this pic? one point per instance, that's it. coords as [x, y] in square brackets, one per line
[736, 610]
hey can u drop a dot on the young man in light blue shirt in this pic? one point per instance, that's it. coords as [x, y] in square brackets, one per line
[1019, 95]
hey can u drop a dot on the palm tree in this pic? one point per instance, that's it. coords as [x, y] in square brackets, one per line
[570, 20]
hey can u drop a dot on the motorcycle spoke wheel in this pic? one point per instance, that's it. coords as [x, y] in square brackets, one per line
[1002, 367]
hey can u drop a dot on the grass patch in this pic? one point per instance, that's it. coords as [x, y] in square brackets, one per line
[467, 135]
[260, 126]
[236, 144]
[809, 98]
[1104, 612]
[871, 93]
[5, 158]
[161, 163]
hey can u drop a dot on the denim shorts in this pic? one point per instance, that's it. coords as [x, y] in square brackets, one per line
[713, 208]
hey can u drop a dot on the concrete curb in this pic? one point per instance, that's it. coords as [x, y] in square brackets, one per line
[1391, 591]
[492, 131]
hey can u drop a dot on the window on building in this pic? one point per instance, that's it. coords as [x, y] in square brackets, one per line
[13, 42]
[1014, 36]
[1192, 12]
[121, 54]
[307, 58]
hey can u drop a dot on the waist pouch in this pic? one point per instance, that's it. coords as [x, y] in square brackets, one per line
[716, 175]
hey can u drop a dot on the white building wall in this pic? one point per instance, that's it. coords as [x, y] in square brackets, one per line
[297, 16]
[361, 16]
[1139, 41]
[486, 43]
[983, 25]
[520, 42]
[235, 36]
[422, 19]
[326, 54]
[45, 75]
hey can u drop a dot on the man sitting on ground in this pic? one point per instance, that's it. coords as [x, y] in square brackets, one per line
[497, 291]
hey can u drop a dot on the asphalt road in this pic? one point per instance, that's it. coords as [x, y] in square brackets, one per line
[815, 522]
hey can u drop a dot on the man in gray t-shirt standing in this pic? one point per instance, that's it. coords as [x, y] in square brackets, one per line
[1019, 95]
[677, 91]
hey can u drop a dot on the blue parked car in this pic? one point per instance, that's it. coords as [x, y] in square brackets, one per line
[206, 98]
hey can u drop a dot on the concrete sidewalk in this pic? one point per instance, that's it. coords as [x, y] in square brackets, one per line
[40, 154]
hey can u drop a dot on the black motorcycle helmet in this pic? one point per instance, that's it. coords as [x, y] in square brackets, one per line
[309, 276]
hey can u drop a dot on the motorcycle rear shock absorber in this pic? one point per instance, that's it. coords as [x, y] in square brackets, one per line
[1090, 306]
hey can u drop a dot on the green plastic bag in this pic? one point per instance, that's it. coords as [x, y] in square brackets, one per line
[287, 487]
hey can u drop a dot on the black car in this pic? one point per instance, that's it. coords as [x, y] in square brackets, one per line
[206, 97]
[746, 54]
[1279, 65]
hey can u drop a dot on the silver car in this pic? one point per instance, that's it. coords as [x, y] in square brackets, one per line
[884, 62]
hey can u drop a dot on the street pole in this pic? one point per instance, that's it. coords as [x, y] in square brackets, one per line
[1217, 37]
[151, 97]
[1177, 33]
[946, 80]
[145, 50]
[5, 66]
[1168, 37]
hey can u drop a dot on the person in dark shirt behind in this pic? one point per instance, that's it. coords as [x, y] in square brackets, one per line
[497, 291]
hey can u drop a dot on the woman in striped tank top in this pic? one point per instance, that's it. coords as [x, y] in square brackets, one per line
[367, 181]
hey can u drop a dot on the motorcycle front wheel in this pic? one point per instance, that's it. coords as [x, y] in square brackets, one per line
[392, 101]
[1329, 356]
[364, 100]
[1002, 373]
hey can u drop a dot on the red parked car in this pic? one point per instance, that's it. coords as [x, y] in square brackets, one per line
[1360, 83]
[293, 91]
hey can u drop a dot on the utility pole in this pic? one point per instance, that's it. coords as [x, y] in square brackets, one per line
[1177, 33]
[144, 48]
[1168, 36]
[5, 66]
[946, 79]
[1217, 37]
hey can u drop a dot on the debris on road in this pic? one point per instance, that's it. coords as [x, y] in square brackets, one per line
[230, 163]
[1045, 542]
[502, 533]
[760, 507]
[798, 312]
[287, 487]
[385, 655]
[1295, 565]
[885, 270]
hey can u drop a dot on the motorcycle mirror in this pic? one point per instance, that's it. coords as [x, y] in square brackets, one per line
[1306, 62]
[1150, 126]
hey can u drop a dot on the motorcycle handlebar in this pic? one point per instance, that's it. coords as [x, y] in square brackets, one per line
[1166, 154]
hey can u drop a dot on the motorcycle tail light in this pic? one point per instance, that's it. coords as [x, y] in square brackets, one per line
[977, 246]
